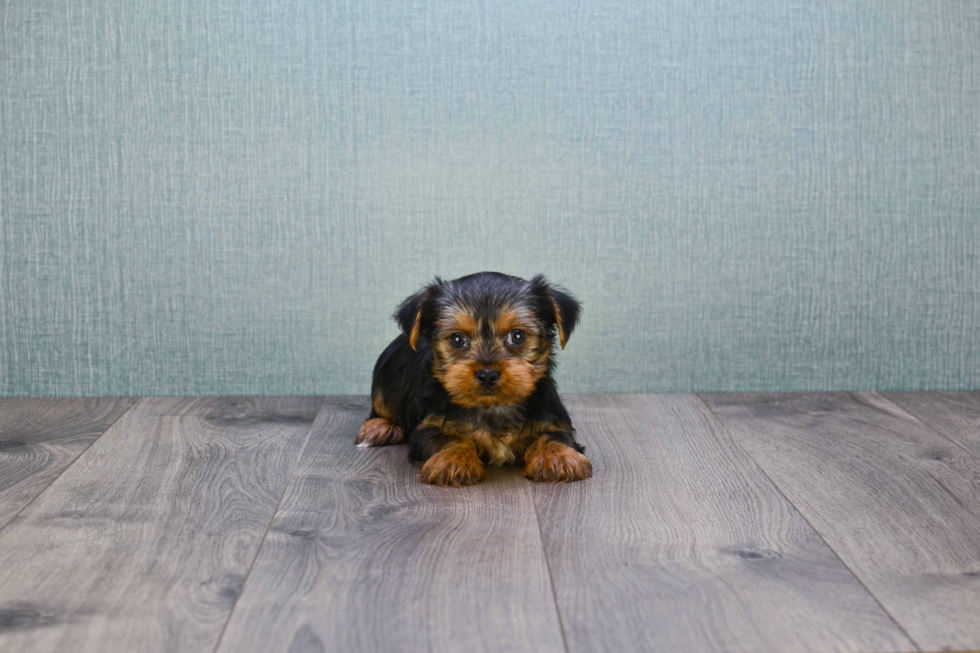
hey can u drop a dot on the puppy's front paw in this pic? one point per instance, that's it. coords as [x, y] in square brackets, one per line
[378, 432]
[454, 466]
[547, 461]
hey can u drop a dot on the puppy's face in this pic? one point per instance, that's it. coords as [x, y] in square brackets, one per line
[488, 355]
[491, 334]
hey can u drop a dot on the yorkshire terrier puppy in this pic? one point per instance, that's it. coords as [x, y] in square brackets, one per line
[469, 383]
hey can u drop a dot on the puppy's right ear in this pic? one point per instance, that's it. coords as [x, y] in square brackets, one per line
[414, 315]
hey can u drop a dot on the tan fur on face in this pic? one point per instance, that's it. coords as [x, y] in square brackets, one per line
[520, 368]
[461, 321]
[518, 378]
[547, 461]
[459, 380]
[509, 319]
[455, 320]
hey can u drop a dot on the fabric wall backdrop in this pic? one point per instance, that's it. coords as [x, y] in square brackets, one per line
[231, 197]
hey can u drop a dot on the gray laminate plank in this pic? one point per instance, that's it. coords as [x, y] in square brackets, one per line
[680, 543]
[144, 542]
[898, 502]
[363, 557]
[953, 414]
[40, 437]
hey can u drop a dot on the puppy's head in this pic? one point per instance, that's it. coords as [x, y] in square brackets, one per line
[491, 334]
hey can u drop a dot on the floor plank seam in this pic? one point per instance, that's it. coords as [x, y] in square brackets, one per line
[551, 578]
[81, 453]
[268, 527]
[803, 516]
[928, 426]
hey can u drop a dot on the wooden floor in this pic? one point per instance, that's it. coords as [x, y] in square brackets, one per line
[816, 522]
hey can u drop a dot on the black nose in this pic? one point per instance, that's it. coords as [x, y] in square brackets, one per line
[487, 377]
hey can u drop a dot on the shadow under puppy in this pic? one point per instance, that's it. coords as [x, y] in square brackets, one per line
[469, 380]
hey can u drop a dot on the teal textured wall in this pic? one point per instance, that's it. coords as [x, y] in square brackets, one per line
[231, 197]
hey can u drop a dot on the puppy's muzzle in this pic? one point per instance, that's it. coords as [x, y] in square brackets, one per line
[487, 377]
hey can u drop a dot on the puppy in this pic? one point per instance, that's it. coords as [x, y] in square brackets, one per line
[468, 382]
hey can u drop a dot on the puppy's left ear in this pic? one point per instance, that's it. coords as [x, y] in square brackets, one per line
[414, 313]
[558, 307]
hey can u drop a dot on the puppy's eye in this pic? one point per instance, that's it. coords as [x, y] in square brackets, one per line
[457, 340]
[516, 337]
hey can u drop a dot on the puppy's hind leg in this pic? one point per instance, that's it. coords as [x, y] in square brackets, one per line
[378, 430]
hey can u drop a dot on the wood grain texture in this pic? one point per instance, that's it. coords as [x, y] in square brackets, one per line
[363, 557]
[40, 437]
[680, 543]
[143, 543]
[898, 502]
[955, 415]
